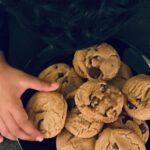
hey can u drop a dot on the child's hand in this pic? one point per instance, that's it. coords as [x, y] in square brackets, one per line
[14, 121]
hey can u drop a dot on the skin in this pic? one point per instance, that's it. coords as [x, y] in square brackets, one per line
[14, 121]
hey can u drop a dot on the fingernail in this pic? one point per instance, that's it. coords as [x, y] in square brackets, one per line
[1, 140]
[55, 84]
[39, 139]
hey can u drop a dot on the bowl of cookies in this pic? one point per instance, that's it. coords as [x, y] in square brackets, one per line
[103, 102]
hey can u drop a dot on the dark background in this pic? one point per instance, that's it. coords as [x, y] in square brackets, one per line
[136, 32]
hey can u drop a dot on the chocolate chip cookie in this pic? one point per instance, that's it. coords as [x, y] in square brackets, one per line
[139, 127]
[137, 90]
[48, 112]
[79, 126]
[119, 139]
[97, 62]
[67, 141]
[124, 74]
[64, 75]
[99, 101]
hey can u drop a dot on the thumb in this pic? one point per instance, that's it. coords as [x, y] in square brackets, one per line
[40, 85]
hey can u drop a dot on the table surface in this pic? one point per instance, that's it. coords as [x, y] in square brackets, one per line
[136, 32]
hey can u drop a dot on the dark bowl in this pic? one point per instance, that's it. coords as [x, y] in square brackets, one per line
[128, 53]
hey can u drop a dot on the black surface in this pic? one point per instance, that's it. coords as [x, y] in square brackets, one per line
[46, 58]
[137, 32]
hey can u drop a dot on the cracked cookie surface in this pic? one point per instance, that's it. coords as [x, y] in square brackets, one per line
[139, 127]
[99, 101]
[97, 62]
[137, 90]
[48, 112]
[79, 126]
[67, 141]
[62, 74]
[123, 75]
[119, 139]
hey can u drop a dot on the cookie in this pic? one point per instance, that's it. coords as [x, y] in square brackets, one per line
[125, 71]
[137, 90]
[119, 139]
[99, 101]
[97, 62]
[64, 75]
[48, 112]
[123, 75]
[139, 127]
[67, 141]
[79, 126]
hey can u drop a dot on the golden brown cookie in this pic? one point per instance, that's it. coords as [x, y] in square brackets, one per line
[64, 75]
[97, 62]
[124, 74]
[119, 139]
[79, 126]
[139, 127]
[137, 90]
[67, 141]
[48, 112]
[99, 101]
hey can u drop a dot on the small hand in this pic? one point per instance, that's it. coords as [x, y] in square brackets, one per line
[14, 121]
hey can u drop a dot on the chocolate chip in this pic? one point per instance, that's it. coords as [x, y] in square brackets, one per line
[131, 106]
[93, 101]
[125, 119]
[90, 59]
[94, 72]
[115, 146]
[103, 87]
[138, 100]
[143, 128]
[56, 67]
[39, 124]
[60, 75]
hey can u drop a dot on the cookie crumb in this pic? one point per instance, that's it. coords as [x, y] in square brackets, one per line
[93, 101]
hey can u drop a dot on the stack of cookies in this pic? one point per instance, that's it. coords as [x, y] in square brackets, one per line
[99, 105]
